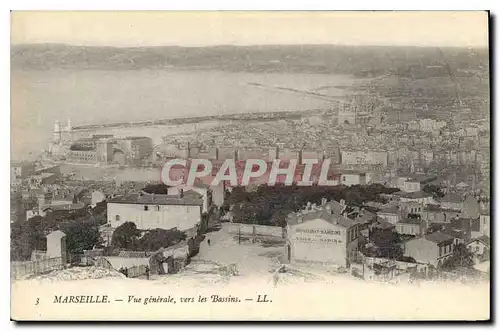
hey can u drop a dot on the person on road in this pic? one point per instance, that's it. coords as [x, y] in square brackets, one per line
[208, 242]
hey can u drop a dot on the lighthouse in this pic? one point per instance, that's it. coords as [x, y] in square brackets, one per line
[57, 132]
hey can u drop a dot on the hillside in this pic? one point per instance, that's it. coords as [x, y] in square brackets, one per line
[362, 61]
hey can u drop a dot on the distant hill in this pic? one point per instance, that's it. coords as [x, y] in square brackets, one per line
[363, 61]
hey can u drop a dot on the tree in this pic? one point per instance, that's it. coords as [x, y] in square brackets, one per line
[435, 190]
[159, 238]
[30, 235]
[388, 243]
[260, 207]
[126, 236]
[81, 236]
[81, 228]
[279, 218]
[461, 258]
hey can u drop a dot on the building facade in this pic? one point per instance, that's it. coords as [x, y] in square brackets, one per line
[479, 245]
[433, 249]
[411, 226]
[484, 223]
[364, 157]
[152, 211]
[21, 170]
[391, 214]
[350, 178]
[321, 237]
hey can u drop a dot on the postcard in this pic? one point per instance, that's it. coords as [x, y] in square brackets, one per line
[263, 166]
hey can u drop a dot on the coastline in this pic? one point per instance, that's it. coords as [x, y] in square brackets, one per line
[256, 116]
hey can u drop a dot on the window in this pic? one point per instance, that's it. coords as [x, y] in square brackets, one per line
[343, 178]
[146, 208]
[117, 218]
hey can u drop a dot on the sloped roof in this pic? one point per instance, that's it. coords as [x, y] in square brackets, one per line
[297, 218]
[364, 217]
[126, 262]
[438, 237]
[461, 223]
[410, 220]
[485, 212]
[484, 239]
[390, 210]
[383, 224]
[189, 198]
[416, 195]
[66, 206]
[452, 197]
[421, 178]
[57, 234]
[460, 234]
[432, 207]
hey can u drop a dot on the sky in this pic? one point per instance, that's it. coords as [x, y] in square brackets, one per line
[153, 28]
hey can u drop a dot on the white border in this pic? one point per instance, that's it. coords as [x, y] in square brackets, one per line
[182, 5]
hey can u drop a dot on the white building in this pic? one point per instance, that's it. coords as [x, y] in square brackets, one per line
[452, 201]
[364, 157]
[411, 185]
[479, 245]
[420, 197]
[97, 197]
[411, 226]
[199, 188]
[417, 182]
[390, 214]
[484, 223]
[434, 248]
[21, 170]
[152, 211]
[430, 125]
[350, 178]
[319, 236]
